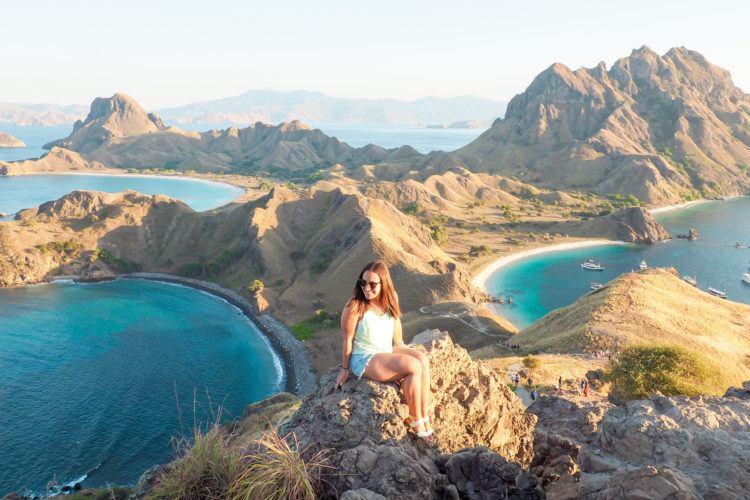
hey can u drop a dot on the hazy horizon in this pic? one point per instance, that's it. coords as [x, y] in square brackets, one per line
[170, 53]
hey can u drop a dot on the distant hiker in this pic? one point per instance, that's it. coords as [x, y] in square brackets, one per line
[530, 382]
[533, 395]
[586, 388]
[373, 345]
[559, 382]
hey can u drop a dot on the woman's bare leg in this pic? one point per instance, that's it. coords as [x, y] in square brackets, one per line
[388, 367]
[425, 385]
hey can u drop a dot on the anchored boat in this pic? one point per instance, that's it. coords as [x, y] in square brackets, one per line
[592, 266]
[717, 293]
[690, 280]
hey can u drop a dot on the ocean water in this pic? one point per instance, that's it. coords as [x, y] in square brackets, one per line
[541, 283]
[34, 137]
[25, 191]
[95, 377]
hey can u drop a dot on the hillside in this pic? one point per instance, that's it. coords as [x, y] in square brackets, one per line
[8, 141]
[109, 118]
[302, 245]
[648, 306]
[663, 128]
[275, 107]
[118, 132]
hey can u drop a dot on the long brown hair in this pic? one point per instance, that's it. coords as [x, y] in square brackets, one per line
[387, 299]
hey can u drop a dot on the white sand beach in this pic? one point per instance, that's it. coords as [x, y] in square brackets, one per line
[674, 207]
[480, 280]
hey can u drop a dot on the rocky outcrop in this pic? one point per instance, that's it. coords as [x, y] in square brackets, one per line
[8, 141]
[633, 225]
[661, 448]
[56, 160]
[658, 127]
[373, 449]
[109, 118]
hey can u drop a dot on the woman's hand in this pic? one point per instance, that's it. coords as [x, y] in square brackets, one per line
[343, 377]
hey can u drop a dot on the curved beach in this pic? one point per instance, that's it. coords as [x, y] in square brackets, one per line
[481, 278]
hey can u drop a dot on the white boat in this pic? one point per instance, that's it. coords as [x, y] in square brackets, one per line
[746, 278]
[643, 265]
[690, 280]
[592, 266]
[717, 293]
[595, 285]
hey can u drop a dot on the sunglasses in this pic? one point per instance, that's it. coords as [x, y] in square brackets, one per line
[364, 283]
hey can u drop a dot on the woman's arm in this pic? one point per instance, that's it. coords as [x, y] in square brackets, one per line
[398, 332]
[349, 320]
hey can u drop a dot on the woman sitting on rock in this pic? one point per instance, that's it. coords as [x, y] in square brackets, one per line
[373, 346]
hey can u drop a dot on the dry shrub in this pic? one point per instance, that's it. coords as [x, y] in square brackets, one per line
[204, 470]
[275, 468]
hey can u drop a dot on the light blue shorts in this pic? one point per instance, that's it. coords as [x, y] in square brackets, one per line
[358, 363]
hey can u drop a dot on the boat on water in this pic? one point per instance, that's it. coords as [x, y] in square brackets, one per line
[746, 278]
[592, 266]
[643, 265]
[717, 293]
[690, 280]
[595, 285]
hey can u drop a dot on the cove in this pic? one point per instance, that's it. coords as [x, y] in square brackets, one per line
[541, 283]
[26, 191]
[97, 378]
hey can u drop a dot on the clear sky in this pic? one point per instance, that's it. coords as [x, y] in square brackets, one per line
[168, 53]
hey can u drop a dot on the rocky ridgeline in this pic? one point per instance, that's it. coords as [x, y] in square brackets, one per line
[678, 447]
[484, 433]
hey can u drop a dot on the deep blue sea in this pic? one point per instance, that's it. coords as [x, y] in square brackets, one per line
[541, 283]
[91, 377]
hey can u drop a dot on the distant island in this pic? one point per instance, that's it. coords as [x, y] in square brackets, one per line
[8, 141]
[466, 124]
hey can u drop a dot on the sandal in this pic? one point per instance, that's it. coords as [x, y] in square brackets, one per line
[427, 435]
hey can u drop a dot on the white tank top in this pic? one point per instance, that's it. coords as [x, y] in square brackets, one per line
[374, 333]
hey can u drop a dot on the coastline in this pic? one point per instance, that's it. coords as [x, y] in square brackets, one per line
[291, 352]
[481, 278]
[668, 208]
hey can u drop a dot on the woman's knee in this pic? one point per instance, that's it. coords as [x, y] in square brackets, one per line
[413, 366]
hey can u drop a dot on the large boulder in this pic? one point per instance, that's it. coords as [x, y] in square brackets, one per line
[362, 425]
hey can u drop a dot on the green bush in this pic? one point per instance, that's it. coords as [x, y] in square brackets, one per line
[412, 208]
[256, 286]
[115, 262]
[304, 330]
[639, 371]
[532, 362]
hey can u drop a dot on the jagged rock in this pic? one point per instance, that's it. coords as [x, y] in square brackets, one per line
[736, 392]
[633, 225]
[373, 448]
[574, 420]
[646, 483]
[361, 494]
[480, 473]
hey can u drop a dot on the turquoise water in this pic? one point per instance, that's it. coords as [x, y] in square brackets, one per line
[25, 191]
[541, 283]
[89, 375]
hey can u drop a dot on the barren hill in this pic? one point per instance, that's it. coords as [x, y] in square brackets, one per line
[649, 306]
[117, 116]
[119, 133]
[304, 245]
[8, 141]
[663, 128]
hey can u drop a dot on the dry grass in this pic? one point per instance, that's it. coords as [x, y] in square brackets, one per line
[206, 468]
[277, 469]
[653, 306]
